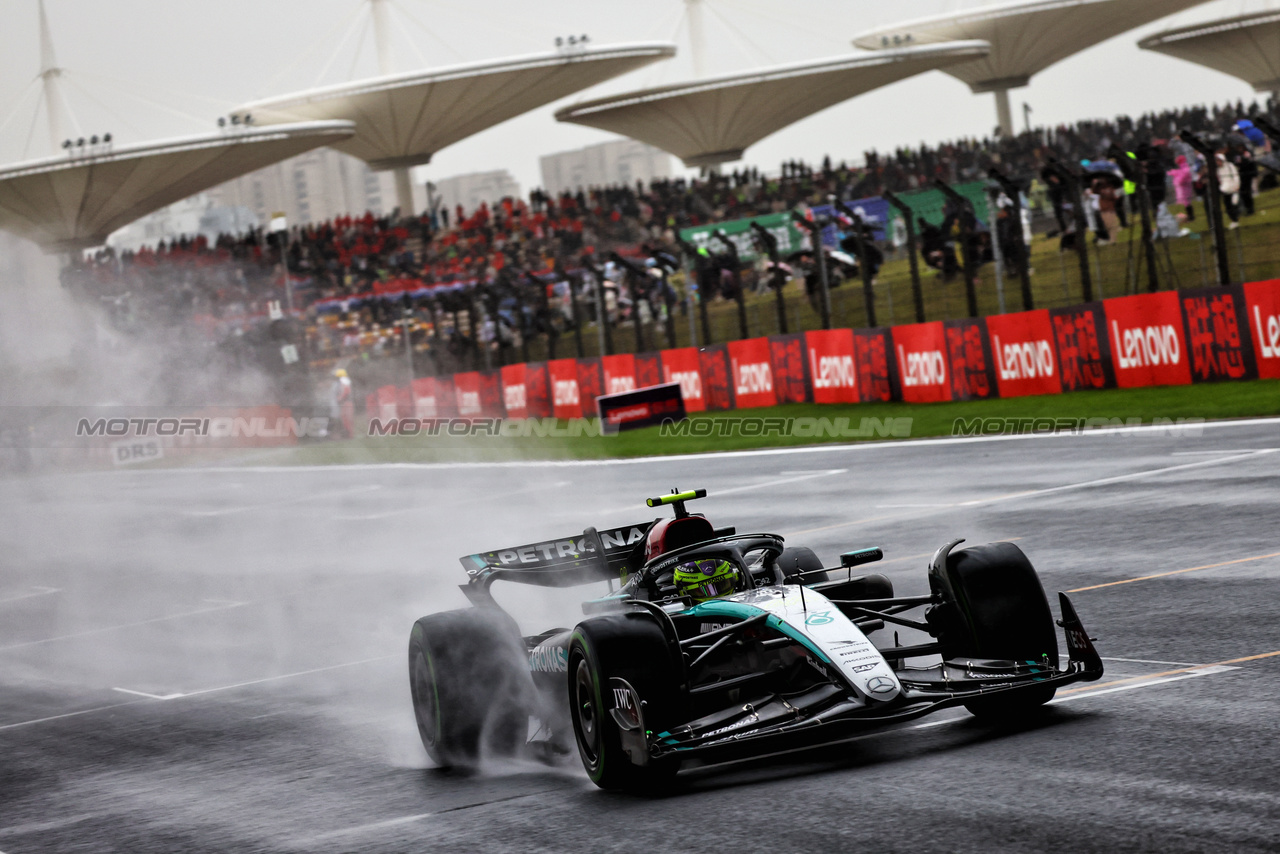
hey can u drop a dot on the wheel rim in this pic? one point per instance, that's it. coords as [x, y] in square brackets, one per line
[425, 701]
[586, 713]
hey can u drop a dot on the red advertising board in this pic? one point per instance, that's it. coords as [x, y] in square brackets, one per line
[590, 384]
[619, 373]
[877, 371]
[751, 372]
[515, 392]
[921, 350]
[371, 405]
[1262, 305]
[790, 378]
[1218, 343]
[682, 366]
[717, 385]
[1022, 350]
[491, 394]
[404, 401]
[969, 360]
[425, 400]
[466, 393]
[1080, 338]
[648, 369]
[537, 388]
[1148, 346]
[387, 399]
[833, 370]
[566, 398]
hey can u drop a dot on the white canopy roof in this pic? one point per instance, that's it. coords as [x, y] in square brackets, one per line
[713, 120]
[1026, 36]
[1247, 47]
[403, 119]
[74, 201]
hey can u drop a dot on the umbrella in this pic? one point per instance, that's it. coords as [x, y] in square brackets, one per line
[843, 257]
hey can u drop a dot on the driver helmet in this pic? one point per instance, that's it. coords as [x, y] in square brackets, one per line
[707, 578]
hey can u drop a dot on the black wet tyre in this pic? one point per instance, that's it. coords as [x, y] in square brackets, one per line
[469, 677]
[795, 560]
[994, 607]
[632, 647]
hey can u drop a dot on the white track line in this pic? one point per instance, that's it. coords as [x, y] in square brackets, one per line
[1204, 671]
[41, 591]
[148, 696]
[104, 629]
[69, 715]
[451, 501]
[712, 455]
[1222, 451]
[777, 481]
[1152, 661]
[226, 511]
[181, 694]
[1116, 479]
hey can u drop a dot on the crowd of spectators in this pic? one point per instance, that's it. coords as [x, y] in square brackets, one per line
[495, 276]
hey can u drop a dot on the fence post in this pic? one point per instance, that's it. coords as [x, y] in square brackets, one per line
[917, 294]
[968, 219]
[1024, 251]
[1072, 180]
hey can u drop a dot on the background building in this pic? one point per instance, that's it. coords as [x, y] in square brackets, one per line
[311, 187]
[623, 161]
[475, 187]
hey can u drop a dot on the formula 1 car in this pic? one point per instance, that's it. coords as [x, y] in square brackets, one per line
[718, 646]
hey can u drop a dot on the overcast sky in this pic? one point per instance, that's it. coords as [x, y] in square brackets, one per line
[145, 69]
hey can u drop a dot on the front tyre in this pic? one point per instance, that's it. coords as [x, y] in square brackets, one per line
[471, 688]
[633, 648]
[994, 607]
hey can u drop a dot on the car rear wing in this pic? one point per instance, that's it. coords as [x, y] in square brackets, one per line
[562, 562]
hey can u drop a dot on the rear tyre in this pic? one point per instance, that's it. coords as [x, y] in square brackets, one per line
[469, 677]
[994, 607]
[797, 559]
[631, 647]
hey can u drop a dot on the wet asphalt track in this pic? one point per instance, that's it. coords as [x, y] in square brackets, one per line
[214, 661]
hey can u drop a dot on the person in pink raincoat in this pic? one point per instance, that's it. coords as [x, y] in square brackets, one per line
[1184, 186]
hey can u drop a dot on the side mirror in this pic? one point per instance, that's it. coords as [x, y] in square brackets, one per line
[860, 556]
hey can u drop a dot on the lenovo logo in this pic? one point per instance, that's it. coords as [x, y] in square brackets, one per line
[566, 393]
[752, 379]
[1024, 360]
[924, 368]
[469, 403]
[690, 383]
[1146, 346]
[513, 396]
[832, 371]
[1270, 339]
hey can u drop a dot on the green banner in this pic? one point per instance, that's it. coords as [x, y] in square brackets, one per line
[930, 203]
[924, 203]
[790, 238]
